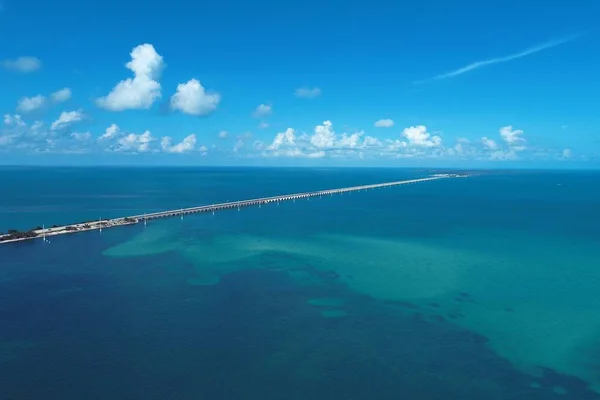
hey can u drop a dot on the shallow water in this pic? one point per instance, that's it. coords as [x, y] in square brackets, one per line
[465, 289]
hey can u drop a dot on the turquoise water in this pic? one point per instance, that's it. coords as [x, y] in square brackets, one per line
[473, 288]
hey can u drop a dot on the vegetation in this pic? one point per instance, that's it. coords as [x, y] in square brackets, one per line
[15, 234]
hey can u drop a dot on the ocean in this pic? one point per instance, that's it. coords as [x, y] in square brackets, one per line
[478, 288]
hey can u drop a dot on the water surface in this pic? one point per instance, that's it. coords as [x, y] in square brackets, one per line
[458, 289]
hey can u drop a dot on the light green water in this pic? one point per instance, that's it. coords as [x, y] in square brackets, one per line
[536, 300]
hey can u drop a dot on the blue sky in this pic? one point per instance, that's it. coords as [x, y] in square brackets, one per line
[462, 83]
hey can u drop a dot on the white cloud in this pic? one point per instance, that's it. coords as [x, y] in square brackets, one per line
[37, 125]
[30, 104]
[238, 145]
[567, 153]
[186, 145]
[514, 142]
[283, 139]
[15, 120]
[307, 93]
[21, 135]
[191, 98]
[263, 125]
[418, 136]
[263, 110]
[111, 132]
[347, 141]
[61, 95]
[114, 139]
[135, 143]
[143, 89]
[82, 137]
[370, 141]
[65, 119]
[258, 145]
[384, 123]
[325, 142]
[322, 142]
[395, 145]
[223, 134]
[324, 136]
[35, 103]
[23, 64]
[498, 60]
[489, 143]
[511, 136]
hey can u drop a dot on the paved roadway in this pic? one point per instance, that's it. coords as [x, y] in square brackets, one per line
[98, 225]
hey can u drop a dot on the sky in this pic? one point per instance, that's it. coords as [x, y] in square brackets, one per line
[465, 83]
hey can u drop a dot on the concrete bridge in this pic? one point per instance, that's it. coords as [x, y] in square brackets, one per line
[276, 199]
[109, 223]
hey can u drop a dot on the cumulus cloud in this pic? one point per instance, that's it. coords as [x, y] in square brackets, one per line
[116, 140]
[134, 143]
[258, 145]
[82, 137]
[384, 123]
[514, 143]
[191, 98]
[65, 119]
[239, 145]
[141, 91]
[263, 110]
[323, 141]
[370, 141]
[283, 139]
[15, 120]
[18, 134]
[307, 93]
[13, 127]
[511, 136]
[323, 136]
[186, 145]
[30, 104]
[263, 125]
[23, 64]
[111, 132]
[489, 143]
[223, 134]
[418, 136]
[61, 95]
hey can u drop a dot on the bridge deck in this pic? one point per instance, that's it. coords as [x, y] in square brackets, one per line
[98, 225]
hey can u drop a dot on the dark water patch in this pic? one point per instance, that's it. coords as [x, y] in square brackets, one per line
[252, 336]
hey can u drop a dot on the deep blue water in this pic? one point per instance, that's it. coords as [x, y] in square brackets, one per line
[76, 324]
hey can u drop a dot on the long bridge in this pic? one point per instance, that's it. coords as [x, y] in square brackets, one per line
[108, 223]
